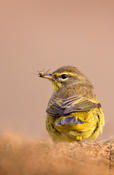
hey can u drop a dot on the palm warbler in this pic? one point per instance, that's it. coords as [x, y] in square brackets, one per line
[73, 113]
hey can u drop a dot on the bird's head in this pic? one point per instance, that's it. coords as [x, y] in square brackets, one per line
[65, 76]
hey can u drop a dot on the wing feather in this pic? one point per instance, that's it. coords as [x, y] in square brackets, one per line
[59, 107]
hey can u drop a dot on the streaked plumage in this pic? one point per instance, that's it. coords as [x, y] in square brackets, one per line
[73, 113]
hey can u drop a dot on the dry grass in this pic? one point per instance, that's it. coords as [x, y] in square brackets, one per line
[19, 156]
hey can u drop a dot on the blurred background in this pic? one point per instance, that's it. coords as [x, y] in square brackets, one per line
[38, 35]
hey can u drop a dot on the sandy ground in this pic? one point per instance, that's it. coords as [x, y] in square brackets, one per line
[44, 35]
[19, 156]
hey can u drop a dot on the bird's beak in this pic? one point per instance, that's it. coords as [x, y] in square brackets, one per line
[47, 76]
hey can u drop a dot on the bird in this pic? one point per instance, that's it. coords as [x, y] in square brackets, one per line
[73, 112]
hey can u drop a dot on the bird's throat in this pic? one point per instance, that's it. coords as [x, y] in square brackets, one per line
[56, 85]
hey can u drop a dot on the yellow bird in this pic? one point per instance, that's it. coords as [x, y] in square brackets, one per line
[73, 113]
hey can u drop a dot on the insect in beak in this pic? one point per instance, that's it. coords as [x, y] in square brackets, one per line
[46, 75]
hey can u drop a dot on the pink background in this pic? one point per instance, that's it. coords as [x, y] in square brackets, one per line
[41, 35]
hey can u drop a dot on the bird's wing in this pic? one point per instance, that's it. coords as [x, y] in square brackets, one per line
[69, 105]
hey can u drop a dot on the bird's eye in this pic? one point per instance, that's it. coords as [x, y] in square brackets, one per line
[64, 76]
